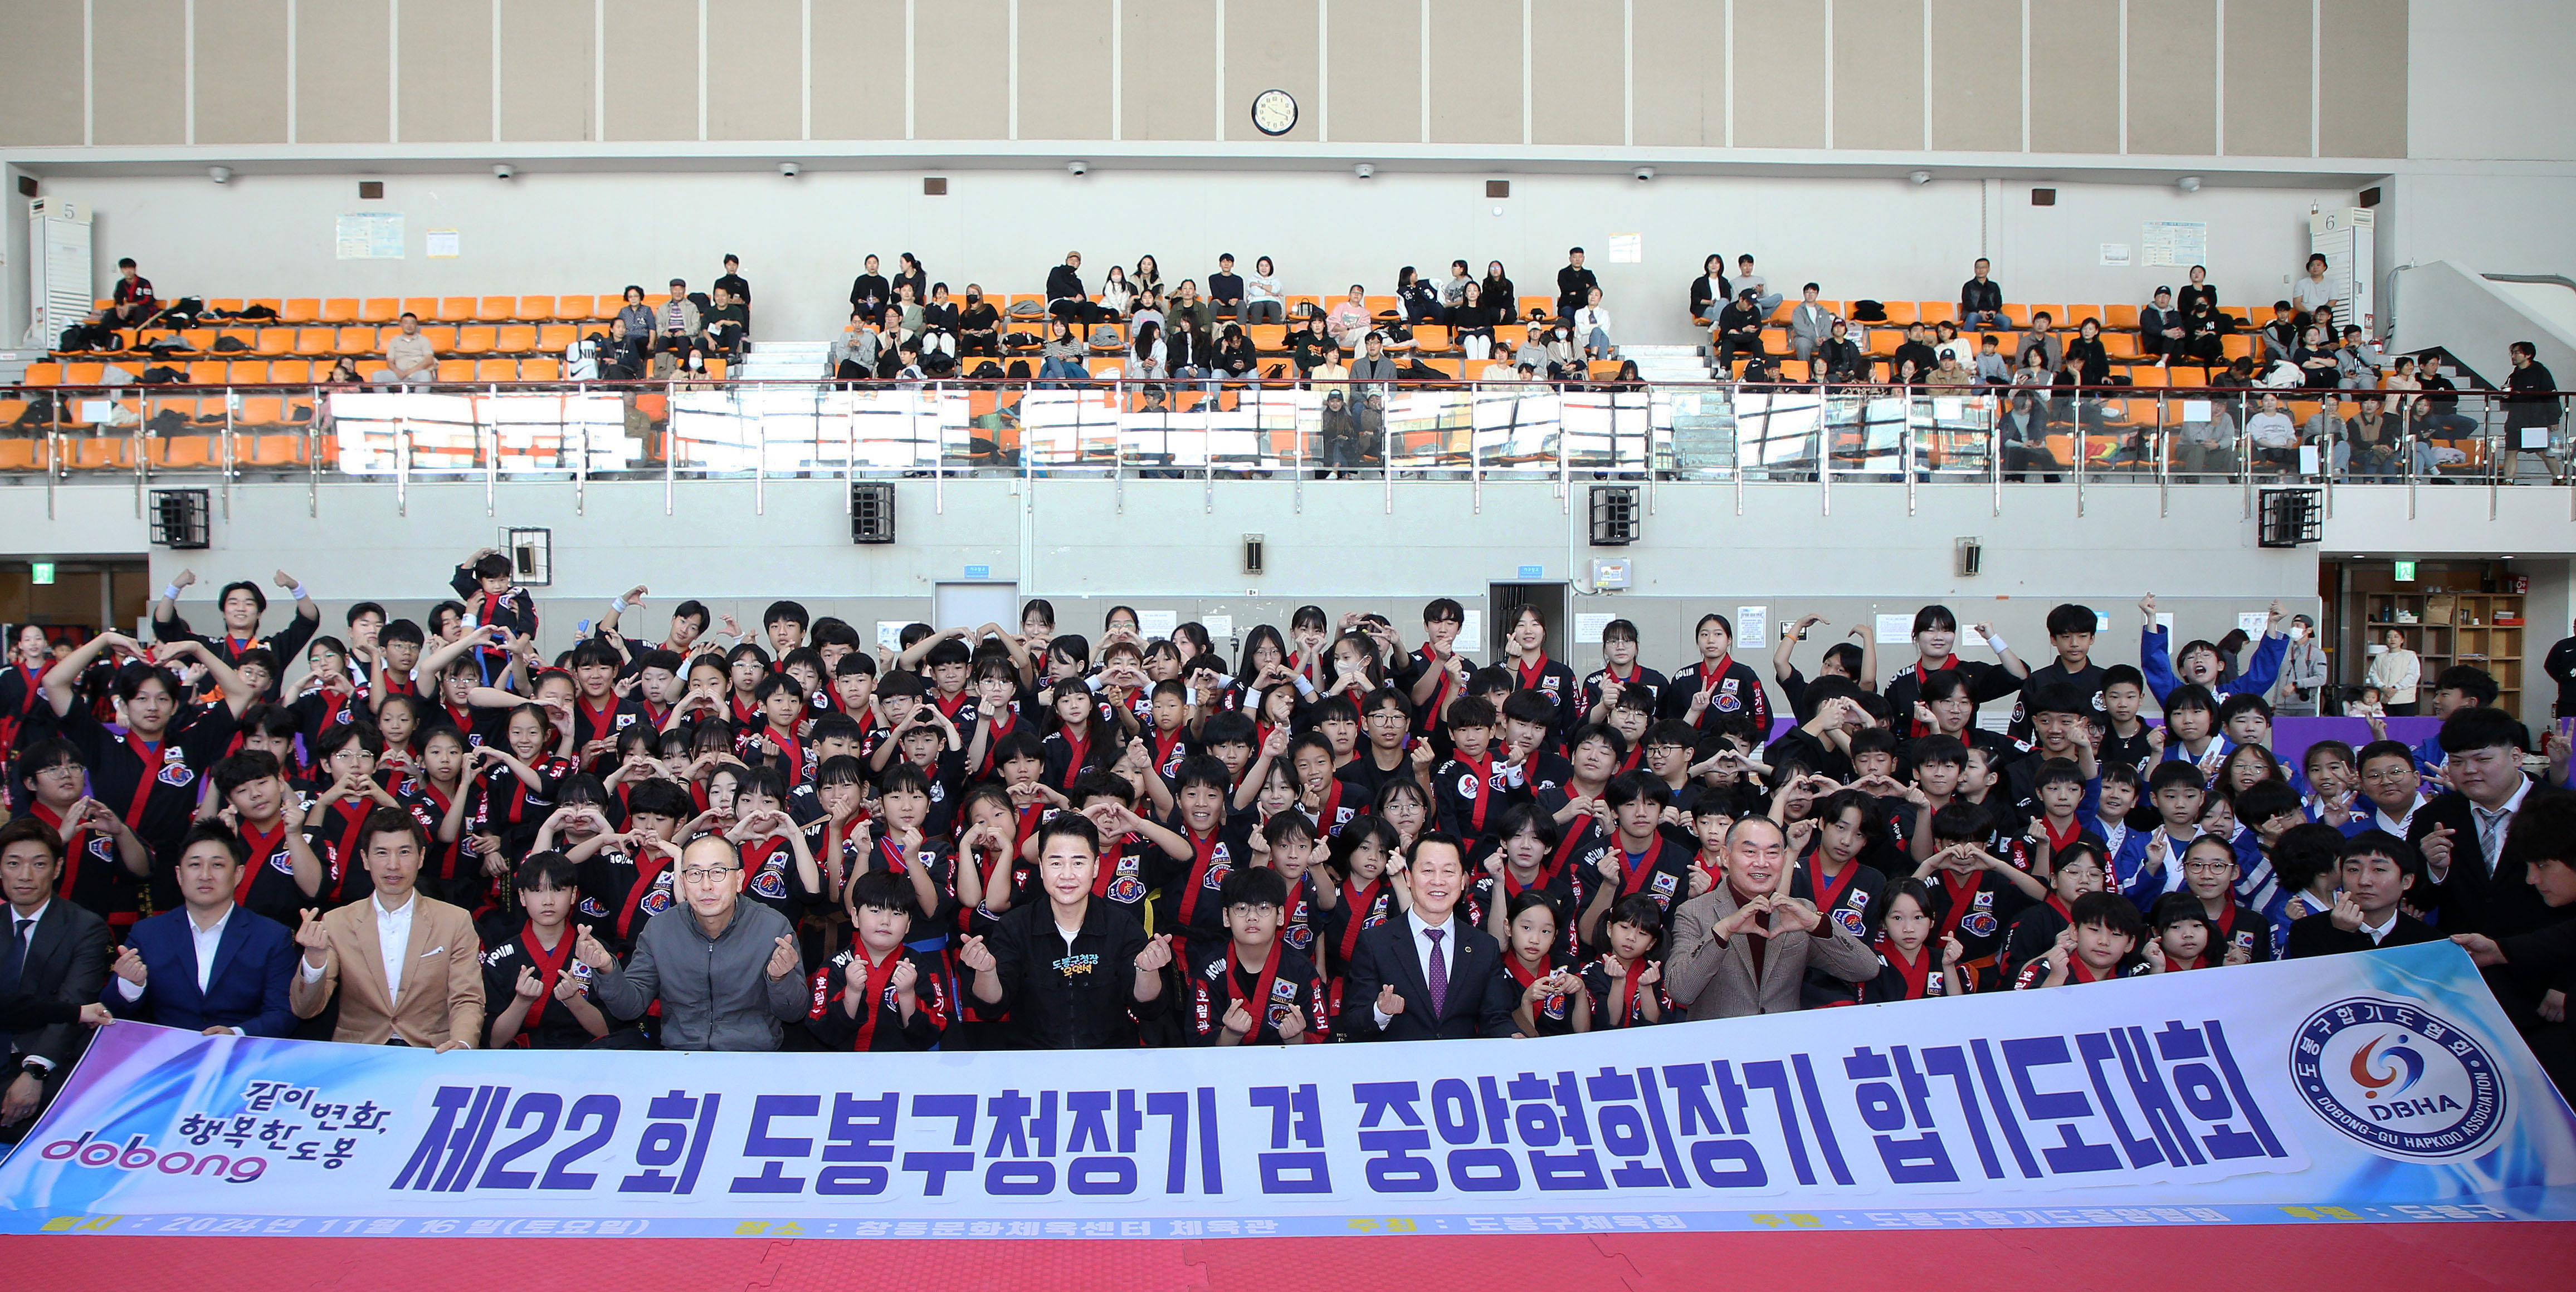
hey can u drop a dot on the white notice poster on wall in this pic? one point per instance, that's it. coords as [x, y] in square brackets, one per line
[2115, 255]
[1587, 628]
[1220, 628]
[2175, 242]
[441, 244]
[1753, 625]
[1627, 248]
[1156, 625]
[1895, 630]
[370, 236]
[2252, 623]
[1471, 633]
[890, 633]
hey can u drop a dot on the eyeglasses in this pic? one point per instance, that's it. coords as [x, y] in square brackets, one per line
[2206, 867]
[708, 874]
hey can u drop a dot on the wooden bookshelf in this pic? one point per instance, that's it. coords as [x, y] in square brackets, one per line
[2455, 628]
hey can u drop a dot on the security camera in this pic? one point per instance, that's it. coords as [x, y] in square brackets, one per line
[1078, 167]
[503, 171]
[790, 169]
[1644, 173]
[219, 174]
[2188, 183]
[1920, 176]
[1364, 170]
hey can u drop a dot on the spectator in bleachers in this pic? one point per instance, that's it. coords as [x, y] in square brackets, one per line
[1262, 301]
[1838, 359]
[677, 330]
[1710, 293]
[1454, 292]
[1149, 309]
[1916, 352]
[1187, 350]
[1348, 319]
[1531, 352]
[1592, 328]
[1948, 344]
[1236, 358]
[892, 340]
[2275, 437]
[907, 307]
[2531, 406]
[2087, 356]
[2315, 357]
[1574, 284]
[1471, 323]
[1418, 300]
[2325, 430]
[2357, 361]
[727, 325]
[1225, 288]
[1500, 296]
[1185, 301]
[1148, 274]
[2160, 328]
[1331, 374]
[1306, 343]
[2043, 337]
[1809, 324]
[1374, 365]
[979, 326]
[1062, 355]
[2313, 292]
[939, 314]
[636, 315]
[1950, 373]
[2197, 290]
[1993, 369]
[2440, 417]
[854, 352]
[409, 360]
[2204, 338]
[2280, 337]
[1739, 328]
[1745, 276]
[870, 291]
[909, 273]
[1981, 299]
[623, 358]
[134, 303]
[736, 285]
[1067, 300]
[1117, 295]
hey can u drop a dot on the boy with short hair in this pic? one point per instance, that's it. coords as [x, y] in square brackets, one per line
[2199, 662]
[1465, 789]
[880, 996]
[2392, 783]
[2070, 635]
[2149, 864]
[2379, 871]
[2125, 736]
[1436, 674]
[1975, 894]
[1250, 987]
[542, 990]
[1386, 719]
[487, 582]
[2100, 942]
[1641, 860]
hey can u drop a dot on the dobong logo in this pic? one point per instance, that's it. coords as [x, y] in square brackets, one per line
[2398, 1077]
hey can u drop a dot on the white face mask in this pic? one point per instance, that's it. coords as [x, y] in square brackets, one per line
[2298, 632]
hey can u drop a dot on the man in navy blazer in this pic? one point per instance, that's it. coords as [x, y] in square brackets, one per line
[1391, 995]
[211, 966]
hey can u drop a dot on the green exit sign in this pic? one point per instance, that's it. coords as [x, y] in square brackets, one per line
[2405, 571]
[40, 572]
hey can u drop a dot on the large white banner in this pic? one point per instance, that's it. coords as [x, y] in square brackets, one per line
[2369, 1087]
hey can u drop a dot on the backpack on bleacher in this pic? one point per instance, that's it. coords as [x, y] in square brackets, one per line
[2282, 375]
[257, 312]
[986, 371]
[1025, 309]
[230, 345]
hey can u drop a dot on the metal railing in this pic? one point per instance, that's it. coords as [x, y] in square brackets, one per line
[1396, 434]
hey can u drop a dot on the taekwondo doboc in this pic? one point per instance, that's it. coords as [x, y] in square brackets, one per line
[2378, 1081]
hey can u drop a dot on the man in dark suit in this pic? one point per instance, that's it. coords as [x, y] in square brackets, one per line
[1428, 976]
[2377, 870]
[2479, 877]
[55, 951]
[211, 966]
[2544, 839]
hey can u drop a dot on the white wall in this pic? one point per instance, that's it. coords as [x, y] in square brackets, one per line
[801, 241]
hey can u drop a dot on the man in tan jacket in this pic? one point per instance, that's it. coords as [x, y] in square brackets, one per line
[408, 967]
[1744, 947]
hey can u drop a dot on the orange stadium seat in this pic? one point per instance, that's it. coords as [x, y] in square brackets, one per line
[380, 309]
[299, 309]
[496, 309]
[456, 309]
[536, 309]
[476, 338]
[496, 370]
[340, 309]
[516, 338]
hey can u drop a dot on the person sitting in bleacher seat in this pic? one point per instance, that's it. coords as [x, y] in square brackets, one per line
[409, 358]
[2274, 435]
[1739, 328]
[2160, 328]
[1981, 299]
[1808, 324]
[678, 331]
[1838, 359]
[134, 303]
[728, 325]
[736, 286]
[1763, 300]
[1993, 369]
[2041, 335]
[1592, 328]
[1066, 299]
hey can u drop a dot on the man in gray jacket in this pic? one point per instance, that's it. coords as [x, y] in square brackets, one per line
[1809, 324]
[728, 977]
[1738, 951]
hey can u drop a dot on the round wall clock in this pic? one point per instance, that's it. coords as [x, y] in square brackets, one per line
[1274, 112]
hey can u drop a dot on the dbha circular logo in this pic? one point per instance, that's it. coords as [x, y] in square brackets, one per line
[2398, 1078]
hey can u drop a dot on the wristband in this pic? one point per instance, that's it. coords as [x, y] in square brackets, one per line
[618, 607]
[1304, 687]
[1995, 643]
[170, 592]
[1190, 696]
[301, 594]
